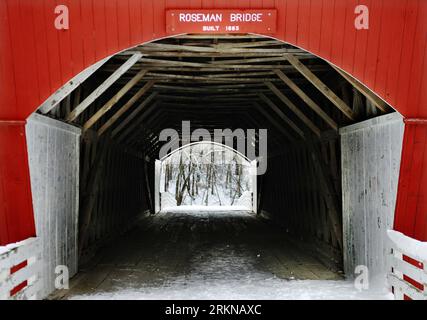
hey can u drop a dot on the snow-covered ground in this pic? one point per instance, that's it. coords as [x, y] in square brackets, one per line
[245, 289]
[223, 273]
[201, 209]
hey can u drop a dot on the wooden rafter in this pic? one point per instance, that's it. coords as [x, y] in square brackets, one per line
[114, 100]
[294, 108]
[323, 88]
[380, 104]
[103, 87]
[313, 105]
[126, 107]
[125, 123]
[69, 87]
[279, 112]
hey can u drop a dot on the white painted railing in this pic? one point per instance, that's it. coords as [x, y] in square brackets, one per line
[20, 270]
[408, 280]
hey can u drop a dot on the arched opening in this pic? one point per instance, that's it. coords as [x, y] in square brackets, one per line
[208, 176]
[303, 229]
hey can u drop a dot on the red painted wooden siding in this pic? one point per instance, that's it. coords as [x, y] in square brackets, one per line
[390, 58]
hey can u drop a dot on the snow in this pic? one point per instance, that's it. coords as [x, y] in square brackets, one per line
[206, 173]
[202, 208]
[413, 248]
[13, 246]
[246, 289]
[222, 273]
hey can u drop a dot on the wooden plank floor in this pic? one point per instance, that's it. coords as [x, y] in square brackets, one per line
[202, 245]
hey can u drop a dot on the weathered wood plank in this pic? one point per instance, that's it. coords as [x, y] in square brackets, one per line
[103, 87]
[323, 88]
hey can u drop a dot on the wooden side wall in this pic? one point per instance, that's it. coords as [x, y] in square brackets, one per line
[113, 191]
[371, 153]
[293, 193]
[54, 151]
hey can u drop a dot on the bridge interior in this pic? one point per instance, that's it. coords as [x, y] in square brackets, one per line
[215, 82]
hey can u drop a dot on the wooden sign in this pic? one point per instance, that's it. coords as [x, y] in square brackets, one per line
[221, 21]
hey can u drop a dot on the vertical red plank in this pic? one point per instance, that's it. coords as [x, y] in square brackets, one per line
[349, 43]
[7, 76]
[76, 41]
[360, 50]
[147, 17]
[405, 60]
[291, 23]
[123, 23]
[392, 80]
[388, 37]
[53, 54]
[419, 64]
[14, 176]
[338, 34]
[326, 29]
[135, 22]
[64, 49]
[19, 49]
[111, 27]
[159, 27]
[87, 21]
[421, 218]
[315, 26]
[41, 52]
[303, 21]
[402, 219]
[100, 34]
[412, 191]
[374, 35]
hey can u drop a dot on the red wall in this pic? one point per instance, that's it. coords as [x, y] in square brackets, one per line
[390, 58]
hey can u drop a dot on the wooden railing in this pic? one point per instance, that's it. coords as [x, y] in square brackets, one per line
[407, 274]
[20, 270]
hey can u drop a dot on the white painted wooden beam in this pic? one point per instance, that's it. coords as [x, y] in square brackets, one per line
[103, 87]
[66, 89]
